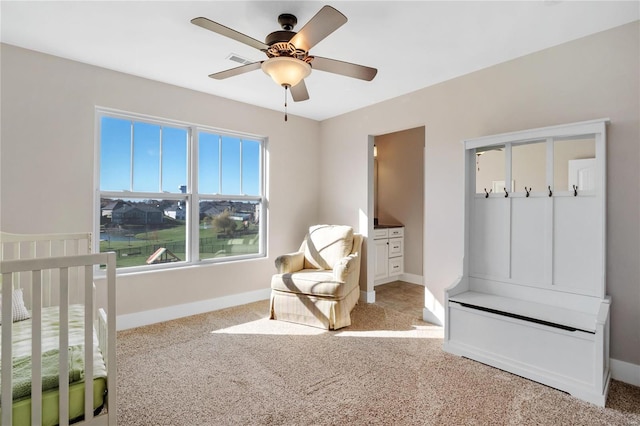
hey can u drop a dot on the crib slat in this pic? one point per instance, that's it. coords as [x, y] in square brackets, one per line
[112, 396]
[7, 318]
[63, 370]
[36, 348]
[88, 343]
[48, 247]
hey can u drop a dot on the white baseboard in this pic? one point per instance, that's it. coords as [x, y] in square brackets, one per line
[138, 319]
[429, 316]
[625, 371]
[368, 296]
[408, 278]
[412, 278]
[386, 280]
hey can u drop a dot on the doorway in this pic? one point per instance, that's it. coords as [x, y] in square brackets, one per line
[397, 181]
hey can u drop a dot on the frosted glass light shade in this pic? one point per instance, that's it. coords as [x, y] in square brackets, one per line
[286, 71]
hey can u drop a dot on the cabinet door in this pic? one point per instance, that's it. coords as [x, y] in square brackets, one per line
[381, 257]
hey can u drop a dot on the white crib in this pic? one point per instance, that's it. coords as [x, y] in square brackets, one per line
[54, 273]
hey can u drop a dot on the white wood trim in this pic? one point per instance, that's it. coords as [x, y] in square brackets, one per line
[7, 322]
[412, 278]
[386, 280]
[111, 339]
[7, 237]
[561, 130]
[368, 296]
[88, 341]
[625, 371]
[138, 319]
[63, 354]
[432, 317]
[36, 348]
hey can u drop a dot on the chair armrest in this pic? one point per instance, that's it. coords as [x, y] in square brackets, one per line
[290, 262]
[345, 266]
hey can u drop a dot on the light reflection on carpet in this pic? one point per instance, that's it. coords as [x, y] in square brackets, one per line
[266, 326]
[417, 332]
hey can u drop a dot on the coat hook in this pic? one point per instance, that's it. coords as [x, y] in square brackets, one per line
[527, 190]
[550, 192]
[506, 194]
[575, 191]
[486, 194]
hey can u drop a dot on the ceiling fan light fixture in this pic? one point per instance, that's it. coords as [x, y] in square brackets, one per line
[286, 71]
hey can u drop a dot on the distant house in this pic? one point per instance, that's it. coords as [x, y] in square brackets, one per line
[214, 208]
[138, 214]
[107, 210]
[176, 211]
[238, 210]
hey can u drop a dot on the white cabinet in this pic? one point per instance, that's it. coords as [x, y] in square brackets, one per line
[389, 254]
[532, 298]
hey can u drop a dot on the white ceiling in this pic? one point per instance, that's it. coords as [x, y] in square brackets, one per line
[413, 44]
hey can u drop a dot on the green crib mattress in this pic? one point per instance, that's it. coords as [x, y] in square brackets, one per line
[21, 383]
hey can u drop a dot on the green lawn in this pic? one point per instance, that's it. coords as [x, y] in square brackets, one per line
[143, 244]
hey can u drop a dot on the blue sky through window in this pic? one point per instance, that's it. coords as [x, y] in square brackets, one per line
[145, 157]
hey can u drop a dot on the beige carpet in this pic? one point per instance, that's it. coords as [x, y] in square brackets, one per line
[234, 366]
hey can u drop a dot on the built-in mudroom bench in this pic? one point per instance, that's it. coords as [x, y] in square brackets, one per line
[532, 296]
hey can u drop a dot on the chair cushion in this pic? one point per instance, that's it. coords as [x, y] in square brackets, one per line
[310, 281]
[326, 245]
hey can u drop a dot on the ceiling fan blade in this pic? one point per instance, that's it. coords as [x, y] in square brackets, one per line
[299, 92]
[228, 32]
[343, 68]
[236, 71]
[326, 21]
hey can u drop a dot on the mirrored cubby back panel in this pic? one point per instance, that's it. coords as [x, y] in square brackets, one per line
[536, 210]
[528, 166]
[574, 163]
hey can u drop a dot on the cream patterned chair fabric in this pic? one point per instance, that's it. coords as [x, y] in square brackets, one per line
[318, 284]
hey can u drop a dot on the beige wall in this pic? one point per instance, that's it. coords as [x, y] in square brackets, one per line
[593, 77]
[400, 189]
[47, 166]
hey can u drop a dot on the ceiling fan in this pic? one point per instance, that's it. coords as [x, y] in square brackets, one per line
[288, 60]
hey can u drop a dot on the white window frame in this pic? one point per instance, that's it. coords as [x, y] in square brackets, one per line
[192, 197]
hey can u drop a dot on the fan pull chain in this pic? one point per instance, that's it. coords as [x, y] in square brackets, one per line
[285, 102]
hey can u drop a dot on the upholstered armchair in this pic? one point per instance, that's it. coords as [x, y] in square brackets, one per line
[318, 284]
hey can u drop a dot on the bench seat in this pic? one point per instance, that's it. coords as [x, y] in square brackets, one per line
[526, 310]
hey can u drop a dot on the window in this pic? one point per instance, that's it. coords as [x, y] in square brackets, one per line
[174, 194]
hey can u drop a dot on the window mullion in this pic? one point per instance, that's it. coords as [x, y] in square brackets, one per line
[219, 164]
[160, 160]
[193, 200]
[240, 160]
[132, 152]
